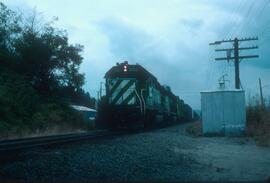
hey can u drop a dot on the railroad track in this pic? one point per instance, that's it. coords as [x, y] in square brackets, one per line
[10, 146]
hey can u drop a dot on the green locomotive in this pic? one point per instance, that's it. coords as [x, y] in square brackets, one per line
[135, 99]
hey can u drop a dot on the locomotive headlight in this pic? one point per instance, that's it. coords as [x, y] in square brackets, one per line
[125, 68]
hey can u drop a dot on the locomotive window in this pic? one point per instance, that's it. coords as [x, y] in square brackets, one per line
[150, 91]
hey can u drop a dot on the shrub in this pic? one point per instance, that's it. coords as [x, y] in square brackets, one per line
[258, 124]
[195, 129]
[24, 112]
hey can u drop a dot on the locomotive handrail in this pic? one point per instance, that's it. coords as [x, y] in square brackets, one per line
[139, 99]
[143, 100]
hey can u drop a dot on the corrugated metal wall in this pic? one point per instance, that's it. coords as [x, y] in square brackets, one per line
[223, 112]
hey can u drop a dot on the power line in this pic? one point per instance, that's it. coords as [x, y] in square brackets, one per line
[264, 86]
[260, 13]
[210, 69]
[246, 17]
[249, 9]
[232, 17]
[267, 3]
[266, 28]
[236, 28]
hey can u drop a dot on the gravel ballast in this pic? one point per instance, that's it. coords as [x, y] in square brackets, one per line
[166, 154]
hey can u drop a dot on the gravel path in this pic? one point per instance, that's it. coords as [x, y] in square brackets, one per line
[166, 154]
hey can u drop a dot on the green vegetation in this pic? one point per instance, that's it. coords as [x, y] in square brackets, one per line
[195, 129]
[258, 122]
[39, 78]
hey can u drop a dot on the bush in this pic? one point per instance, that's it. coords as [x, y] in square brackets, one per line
[195, 129]
[258, 124]
[23, 112]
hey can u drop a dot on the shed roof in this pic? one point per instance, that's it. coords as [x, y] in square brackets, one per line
[82, 108]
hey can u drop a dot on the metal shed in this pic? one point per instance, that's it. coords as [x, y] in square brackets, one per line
[88, 113]
[223, 112]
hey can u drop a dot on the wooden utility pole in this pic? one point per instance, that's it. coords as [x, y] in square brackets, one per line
[100, 90]
[236, 63]
[236, 56]
[97, 101]
[261, 94]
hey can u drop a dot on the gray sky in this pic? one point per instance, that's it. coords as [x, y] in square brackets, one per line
[170, 38]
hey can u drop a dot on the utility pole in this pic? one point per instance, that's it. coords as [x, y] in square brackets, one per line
[100, 90]
[261, 94]
[97, 101]
[236, 56]
[236, 63]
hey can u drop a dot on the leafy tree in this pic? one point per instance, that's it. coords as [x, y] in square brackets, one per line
[47, 58]
[39, 51]
[9, 31]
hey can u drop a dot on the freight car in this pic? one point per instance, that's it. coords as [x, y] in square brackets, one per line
[135, 99]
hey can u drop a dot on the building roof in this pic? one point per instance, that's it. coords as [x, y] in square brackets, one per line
[82, 108]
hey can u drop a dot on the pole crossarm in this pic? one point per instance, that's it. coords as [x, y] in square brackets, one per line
[249, 39]
[240, 57]
[232, 40]
[219, 42]
[243, 48]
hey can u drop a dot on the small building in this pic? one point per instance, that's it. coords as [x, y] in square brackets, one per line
[88, 113]
[223, 112]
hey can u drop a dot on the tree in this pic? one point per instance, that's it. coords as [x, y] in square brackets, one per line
[9, 31]
[47, 58]
[39, 75]
[39, 51]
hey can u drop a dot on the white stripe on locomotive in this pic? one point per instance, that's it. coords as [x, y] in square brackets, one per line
[118, 89]
[132, 101]
[126, 93]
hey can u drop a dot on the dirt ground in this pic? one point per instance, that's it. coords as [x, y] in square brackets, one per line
[228, 158]
[168, 154]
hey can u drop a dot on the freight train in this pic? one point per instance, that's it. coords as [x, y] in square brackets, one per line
[135, 99]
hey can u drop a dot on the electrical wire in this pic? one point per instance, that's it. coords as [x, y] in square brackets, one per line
[237, 19]
[246, 15]
[210, 67]
[267, 85]
[233, 18]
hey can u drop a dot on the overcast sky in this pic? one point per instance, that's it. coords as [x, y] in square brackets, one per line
[170, 38]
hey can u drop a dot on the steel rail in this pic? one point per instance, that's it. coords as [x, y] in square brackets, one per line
[26, 143]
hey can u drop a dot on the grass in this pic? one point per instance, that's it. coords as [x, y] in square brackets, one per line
[258, 124]
[195, 129]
